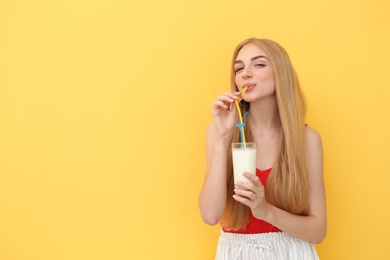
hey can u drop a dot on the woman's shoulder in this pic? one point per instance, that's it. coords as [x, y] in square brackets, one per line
[312, 134]
[313, 142]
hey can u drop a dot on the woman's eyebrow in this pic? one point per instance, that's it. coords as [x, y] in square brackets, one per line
[254, 58]
[259, 57]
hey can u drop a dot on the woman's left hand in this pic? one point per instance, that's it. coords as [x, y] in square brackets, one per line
[252, 195]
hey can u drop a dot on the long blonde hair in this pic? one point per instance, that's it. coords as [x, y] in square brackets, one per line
[287, 185]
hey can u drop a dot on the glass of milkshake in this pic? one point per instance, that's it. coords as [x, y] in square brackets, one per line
[244, 160]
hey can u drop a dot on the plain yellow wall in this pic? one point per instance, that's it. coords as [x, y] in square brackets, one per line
[104, 106]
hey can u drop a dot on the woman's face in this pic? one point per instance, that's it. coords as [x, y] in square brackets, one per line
[253, 69]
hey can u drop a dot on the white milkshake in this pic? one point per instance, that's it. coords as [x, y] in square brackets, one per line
[244, 160]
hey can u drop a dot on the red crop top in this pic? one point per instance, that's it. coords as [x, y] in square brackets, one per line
[255, 225]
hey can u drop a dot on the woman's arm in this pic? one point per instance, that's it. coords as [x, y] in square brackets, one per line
[212, 198]
[311, 228]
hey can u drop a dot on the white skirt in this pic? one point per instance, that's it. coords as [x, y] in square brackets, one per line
[270, 246]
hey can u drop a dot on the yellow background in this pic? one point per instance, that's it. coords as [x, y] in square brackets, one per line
[104, 106]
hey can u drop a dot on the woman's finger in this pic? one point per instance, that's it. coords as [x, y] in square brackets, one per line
[230, 95]
[254, 179]
[226, 99]
[243, 200]
[219, 104]
[245, 193]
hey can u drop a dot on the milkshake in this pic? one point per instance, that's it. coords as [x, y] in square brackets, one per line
[244, 160]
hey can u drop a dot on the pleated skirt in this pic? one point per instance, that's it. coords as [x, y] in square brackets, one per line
[269, 246]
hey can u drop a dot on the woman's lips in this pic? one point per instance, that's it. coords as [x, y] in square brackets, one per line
[250, 86]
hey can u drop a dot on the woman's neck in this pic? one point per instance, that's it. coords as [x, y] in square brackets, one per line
[264, 116]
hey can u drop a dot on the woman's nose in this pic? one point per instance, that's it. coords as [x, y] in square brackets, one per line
[246, 73]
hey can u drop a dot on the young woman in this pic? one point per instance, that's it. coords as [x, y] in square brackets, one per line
[282, 212]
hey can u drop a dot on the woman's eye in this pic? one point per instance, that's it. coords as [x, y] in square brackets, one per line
[238, 69]
[260, 65]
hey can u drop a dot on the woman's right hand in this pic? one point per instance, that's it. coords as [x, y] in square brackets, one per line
[225, 113]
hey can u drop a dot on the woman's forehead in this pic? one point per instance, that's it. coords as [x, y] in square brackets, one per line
[250, 51]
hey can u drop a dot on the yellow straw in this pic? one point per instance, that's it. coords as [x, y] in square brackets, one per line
[240, 115]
